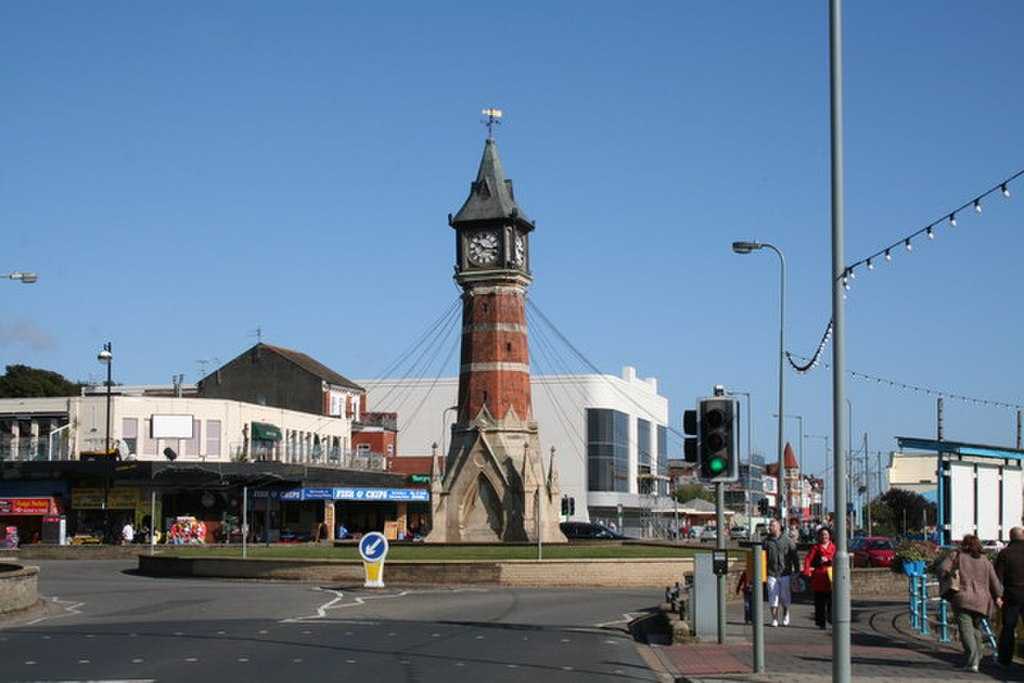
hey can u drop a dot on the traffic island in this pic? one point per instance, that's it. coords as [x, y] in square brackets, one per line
[574, 573]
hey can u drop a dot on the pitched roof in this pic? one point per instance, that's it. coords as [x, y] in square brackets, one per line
[791, 463]
[313, 366]
[490, 195]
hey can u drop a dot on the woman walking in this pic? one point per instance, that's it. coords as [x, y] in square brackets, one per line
[818, 567]
[979, 593]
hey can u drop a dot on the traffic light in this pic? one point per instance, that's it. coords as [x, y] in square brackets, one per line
[718, 456]
[762, 507]
[568, 506]
[690, 441]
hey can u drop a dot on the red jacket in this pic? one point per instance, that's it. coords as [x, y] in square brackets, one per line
[816, 566]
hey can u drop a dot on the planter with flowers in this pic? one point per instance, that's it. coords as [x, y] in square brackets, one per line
[914, 557]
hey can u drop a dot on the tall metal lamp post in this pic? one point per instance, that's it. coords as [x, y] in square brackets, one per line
[106, 356]
[746, 248]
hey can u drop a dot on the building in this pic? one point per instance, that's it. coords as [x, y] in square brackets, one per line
[610, 435]
[913, 472]
[274, 376]
[794, 487]
[175, 452]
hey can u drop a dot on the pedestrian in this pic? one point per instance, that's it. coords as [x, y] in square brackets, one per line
[743, 586]
[979, 592]
[127, 533]
[341, 533]
[782, 563]
[1010, 570]
[818, 567]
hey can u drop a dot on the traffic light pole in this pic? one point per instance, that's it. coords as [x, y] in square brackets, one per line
[722, 589]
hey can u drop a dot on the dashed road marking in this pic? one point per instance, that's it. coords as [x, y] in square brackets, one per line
[30, 662]
[191, 659]
[137, 660]
[263, 632]
[350, 661]
[297, 660]
[566, 668]
[243, 659]
[83, 661]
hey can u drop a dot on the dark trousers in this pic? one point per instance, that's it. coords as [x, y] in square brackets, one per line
[1007, 637]
[822, 607]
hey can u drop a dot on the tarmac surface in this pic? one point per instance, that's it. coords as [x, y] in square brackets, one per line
[104, 622]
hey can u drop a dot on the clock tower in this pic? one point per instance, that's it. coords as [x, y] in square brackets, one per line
[495, 486]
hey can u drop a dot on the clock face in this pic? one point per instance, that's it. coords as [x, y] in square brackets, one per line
[519, 251]
[483, 248]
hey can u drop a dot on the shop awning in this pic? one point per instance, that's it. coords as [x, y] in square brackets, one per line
[261, 431]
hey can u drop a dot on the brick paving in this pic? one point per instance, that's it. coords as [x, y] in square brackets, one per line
[883, 648]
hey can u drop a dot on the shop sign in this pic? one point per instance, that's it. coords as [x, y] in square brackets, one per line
[93, 498]
[368, 495]
[25, 506]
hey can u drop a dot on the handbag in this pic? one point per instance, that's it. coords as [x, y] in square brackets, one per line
[949, 584]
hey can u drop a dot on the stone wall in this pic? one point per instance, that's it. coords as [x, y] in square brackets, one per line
[18, 587]
[40, 551]
[639, 573]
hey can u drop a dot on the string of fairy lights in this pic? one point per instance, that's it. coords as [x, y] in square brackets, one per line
[929, 391]
[886, 254]
[948, 218]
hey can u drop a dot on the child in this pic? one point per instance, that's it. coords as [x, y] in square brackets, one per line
[744, 585]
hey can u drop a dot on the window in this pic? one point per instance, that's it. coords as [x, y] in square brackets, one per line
[607, 450]
[192, 445]
[363, 448]
[213, 438]
[643, 443]
[130, 433]
[148, 442]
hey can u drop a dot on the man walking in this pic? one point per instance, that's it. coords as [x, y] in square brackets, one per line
[1010, 570]
[782, 561]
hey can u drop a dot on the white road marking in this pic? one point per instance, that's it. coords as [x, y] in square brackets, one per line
[30, 662]
[350, 661]
[178, 633]
[137, 660]
[566, 640]
[479, 637]
[338, 602]
[83, 661]
[90, 635]
[512, 666]
[566, 668]
[70, 607]
[460, 664]
[264, 632]
[404, 661]
[222, 633]
[435, 635]
[626, 618]
[243, 659]
[297, 661]
[46, 637]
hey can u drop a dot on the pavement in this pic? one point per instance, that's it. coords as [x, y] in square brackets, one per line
[104, 622]
[883, 648]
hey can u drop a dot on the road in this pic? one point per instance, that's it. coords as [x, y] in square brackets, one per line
[110, 624]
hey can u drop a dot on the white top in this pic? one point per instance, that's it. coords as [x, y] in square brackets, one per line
[128, 533]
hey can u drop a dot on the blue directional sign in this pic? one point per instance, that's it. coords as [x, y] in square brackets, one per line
[373, 547]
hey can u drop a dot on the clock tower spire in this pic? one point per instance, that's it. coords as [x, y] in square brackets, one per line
[495, 487]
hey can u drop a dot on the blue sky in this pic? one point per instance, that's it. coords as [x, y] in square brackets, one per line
[181, 174]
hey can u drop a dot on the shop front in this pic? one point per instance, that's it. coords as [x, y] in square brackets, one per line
[21, 519]
[99, 514]
[398, 513]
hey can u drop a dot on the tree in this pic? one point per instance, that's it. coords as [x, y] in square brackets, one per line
[690, 491]
[900, 511]
[21, 381]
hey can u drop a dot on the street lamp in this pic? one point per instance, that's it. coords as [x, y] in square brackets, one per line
[106, 357]
[828, 466]
[750, 455]
[24, 278]
[800, 463]
[746, 248]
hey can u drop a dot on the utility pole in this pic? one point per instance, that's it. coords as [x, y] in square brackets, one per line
[720, 545]
[1018, 429]
[867, 484]
[841, 570]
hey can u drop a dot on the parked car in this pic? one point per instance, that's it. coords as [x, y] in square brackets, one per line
[738, 532]
[695, 531]
[709, 533]
[873, 551]
[588, 531]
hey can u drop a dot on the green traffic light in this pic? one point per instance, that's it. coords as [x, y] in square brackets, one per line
[716, 465]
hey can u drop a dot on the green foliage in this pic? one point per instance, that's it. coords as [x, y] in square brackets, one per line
[896, 507]
[21, 381]
[690, 491]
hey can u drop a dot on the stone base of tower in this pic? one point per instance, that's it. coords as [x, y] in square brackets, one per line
[495, 488]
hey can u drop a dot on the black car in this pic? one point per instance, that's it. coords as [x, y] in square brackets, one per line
[588, 530]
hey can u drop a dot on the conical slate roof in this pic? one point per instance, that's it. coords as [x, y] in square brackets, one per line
[791, 463]
[490, 195]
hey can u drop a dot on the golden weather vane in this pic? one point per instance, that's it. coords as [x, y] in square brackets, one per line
[493, 119]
